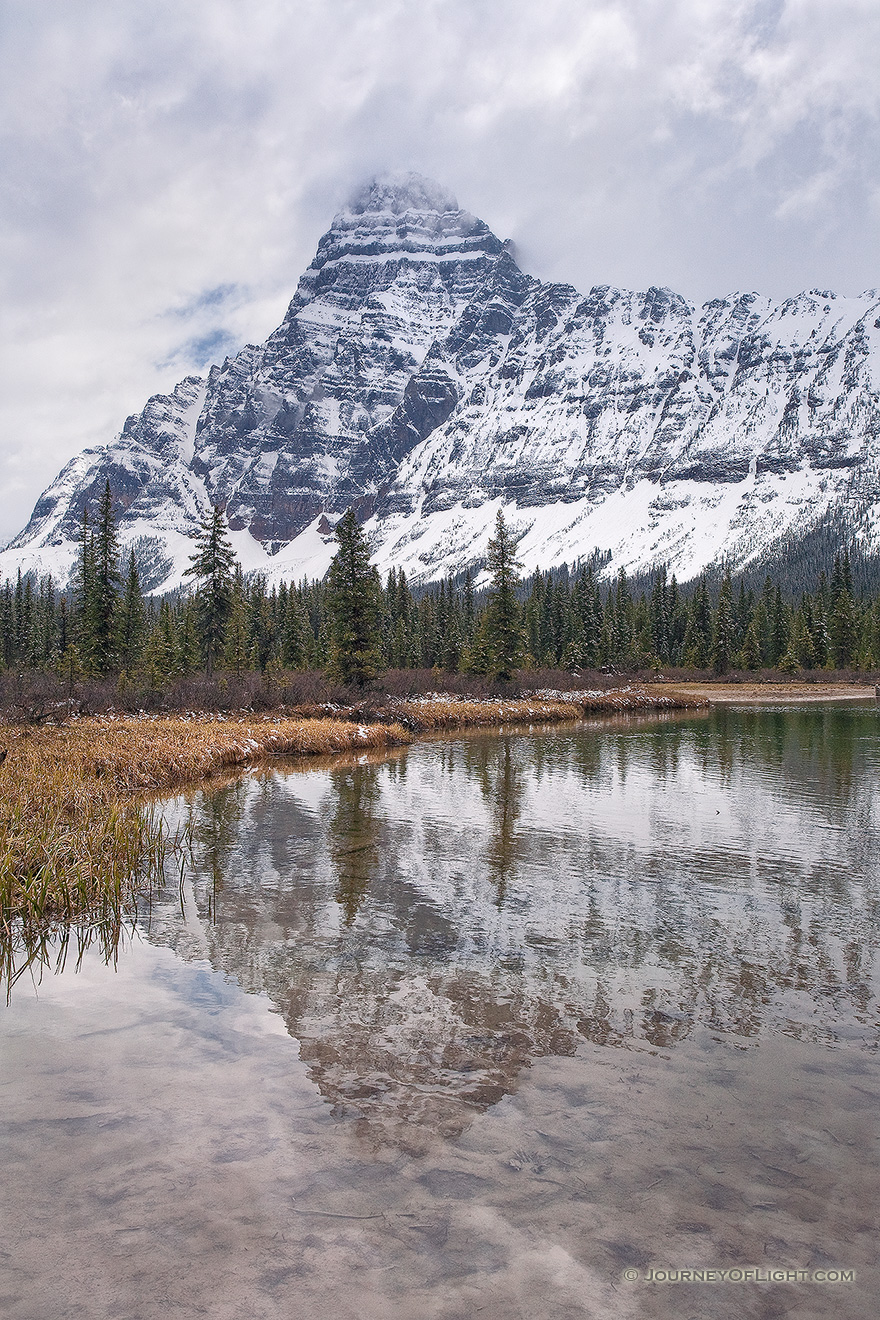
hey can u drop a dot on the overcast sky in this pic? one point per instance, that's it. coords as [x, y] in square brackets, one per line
[169, 165]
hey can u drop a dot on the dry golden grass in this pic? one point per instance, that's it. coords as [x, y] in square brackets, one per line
[452, 713]
[642, 698]
[145, 754]
[77, 834]
[442, 712]
[720, 693]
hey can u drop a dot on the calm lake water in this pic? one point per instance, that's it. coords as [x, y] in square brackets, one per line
[478, 1028]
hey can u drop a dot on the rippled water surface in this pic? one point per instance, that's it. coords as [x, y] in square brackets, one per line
[476, 1028]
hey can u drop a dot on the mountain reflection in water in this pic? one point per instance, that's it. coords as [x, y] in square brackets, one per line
[428, 922]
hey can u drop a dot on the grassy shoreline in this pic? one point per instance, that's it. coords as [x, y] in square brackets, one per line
[80, 837]
[721, 693]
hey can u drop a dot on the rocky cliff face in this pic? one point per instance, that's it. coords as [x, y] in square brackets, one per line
[422, 377]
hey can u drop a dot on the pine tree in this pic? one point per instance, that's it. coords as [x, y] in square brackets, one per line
[872, 635]
[532, 616]
[586, 621]
[262, 613]
[166, 642]
[801, 645]
[561, 617]
[750, 654]
[27, 629]
[161, 655]
[63, 633]
[70, 668]
[212, 565]
[47, 632]
[354, 607]
[841, 579]
[468, 608]
[296, 637]
[452, 644]
[7, 625]
[132, 618]
[503, 628]
[405, 642]
[724, 639]
[82, 592]
[843, 630]
[427, 631]
[698, 636]
[779, 628]
[189, 651]
[659, 616]
[547, 651]
[451, 641]
[237, 641]
[744, 604]
[819, 623]
[676, 613]
[643, 655]
[19, 620]
[390, 617]
[101, 612]
[624, 622]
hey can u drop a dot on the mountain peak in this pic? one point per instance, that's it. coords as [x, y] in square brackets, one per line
[398, 193]
[422, 378]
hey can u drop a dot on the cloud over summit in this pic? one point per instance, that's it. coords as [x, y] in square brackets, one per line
[159, 152]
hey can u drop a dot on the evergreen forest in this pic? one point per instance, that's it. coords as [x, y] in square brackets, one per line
[353, 626]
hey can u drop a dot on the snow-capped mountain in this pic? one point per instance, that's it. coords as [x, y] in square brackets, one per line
[422, 377]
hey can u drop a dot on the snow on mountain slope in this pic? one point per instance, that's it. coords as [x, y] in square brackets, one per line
[160, 502]
[290, 428]
[420, 376]
[622, 421]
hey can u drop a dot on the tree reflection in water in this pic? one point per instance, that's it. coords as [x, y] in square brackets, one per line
[429, 922]
[355, 834]
[502, 897]
[495, 766]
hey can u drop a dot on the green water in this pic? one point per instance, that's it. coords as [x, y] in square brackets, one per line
[475, 1028]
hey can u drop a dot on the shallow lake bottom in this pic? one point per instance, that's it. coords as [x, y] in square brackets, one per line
[481, 1028]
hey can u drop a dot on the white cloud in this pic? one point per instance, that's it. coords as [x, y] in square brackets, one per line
[159, 151]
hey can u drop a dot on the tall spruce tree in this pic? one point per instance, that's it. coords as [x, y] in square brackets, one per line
[623, 624]
[103, 607]
[659, 616]
[296, 637]
[502, 621]
[212, 566]
[354, 599]
[468, 607]
[82, 590]
[698, 636]
[843, 630]
[132, 618]
[237, 652]
[7, 625]
[724, 638]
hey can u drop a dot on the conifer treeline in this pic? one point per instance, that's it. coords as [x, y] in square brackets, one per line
[560, 619]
